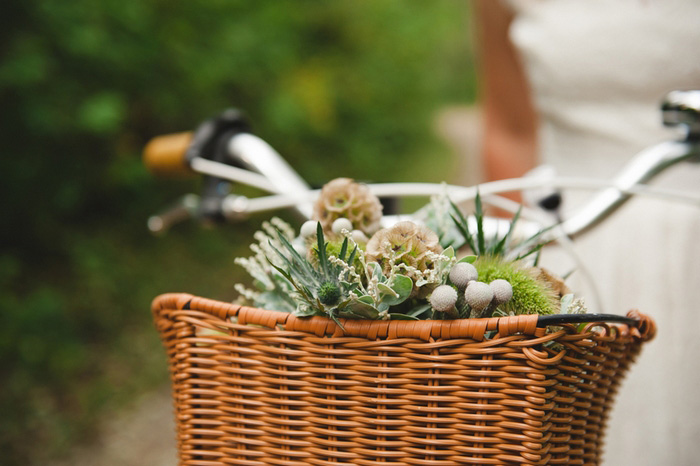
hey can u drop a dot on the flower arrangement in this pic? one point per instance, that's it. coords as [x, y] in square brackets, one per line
[342, 264]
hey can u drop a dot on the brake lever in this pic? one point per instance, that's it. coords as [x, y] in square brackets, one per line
[185, 208]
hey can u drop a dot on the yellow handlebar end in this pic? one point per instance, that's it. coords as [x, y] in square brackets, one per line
[165, 155]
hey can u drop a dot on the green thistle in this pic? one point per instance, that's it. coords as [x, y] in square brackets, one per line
[329, 293]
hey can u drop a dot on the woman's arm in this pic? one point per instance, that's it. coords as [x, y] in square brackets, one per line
[510, 121]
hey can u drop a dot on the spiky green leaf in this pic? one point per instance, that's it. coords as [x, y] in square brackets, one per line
[351, 259]
[343, 250]
[322, 258]
[479, 215]
[503, 244]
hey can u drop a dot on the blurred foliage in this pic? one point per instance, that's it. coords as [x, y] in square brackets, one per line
[83, 86]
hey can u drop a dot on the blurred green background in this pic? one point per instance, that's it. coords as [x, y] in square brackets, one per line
[85, 84]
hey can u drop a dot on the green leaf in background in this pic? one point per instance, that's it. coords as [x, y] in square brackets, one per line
[479, 215]
[103, 113]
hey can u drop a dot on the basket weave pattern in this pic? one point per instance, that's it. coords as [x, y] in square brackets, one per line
[257, 387]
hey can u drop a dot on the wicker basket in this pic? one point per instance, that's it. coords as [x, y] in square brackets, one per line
[257, 387]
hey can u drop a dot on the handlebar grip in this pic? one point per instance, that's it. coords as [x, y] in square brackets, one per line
[165, 155]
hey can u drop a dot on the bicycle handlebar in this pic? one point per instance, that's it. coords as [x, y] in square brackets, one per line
[224, 150]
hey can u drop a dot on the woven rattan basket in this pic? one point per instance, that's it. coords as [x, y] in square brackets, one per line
[257, 387]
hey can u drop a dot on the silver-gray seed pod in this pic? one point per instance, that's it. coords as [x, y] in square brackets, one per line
[340, 224]
[308, 228]
[502, 291]
[444, 298]
[358, 236]
[462, 273]
[478, 295]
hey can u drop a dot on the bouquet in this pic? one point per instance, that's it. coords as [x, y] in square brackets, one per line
[342, 264]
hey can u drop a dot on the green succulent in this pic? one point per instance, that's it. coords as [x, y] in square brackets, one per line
[389, 291]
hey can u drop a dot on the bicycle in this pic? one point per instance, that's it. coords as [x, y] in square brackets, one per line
[224, 151]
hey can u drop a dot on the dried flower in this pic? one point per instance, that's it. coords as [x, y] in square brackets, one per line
[572, 305]
[556, 284]
[343, 197]
[462, 273]
[414, 246]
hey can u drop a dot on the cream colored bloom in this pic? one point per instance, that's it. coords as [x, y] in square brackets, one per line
[344, 198]
[404, 243]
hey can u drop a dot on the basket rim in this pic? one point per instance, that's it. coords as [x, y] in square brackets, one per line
[533, 324]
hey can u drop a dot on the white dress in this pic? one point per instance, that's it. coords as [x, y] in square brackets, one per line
[598, 70]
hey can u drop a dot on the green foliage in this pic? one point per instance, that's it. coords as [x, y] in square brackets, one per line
[324, 288]
[389, 291]
[331, 287]
[530, 296]
[334, 247]
[84, 85]
[305, 279]
[495, 246]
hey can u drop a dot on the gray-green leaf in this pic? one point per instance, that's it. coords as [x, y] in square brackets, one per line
[398, 316]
